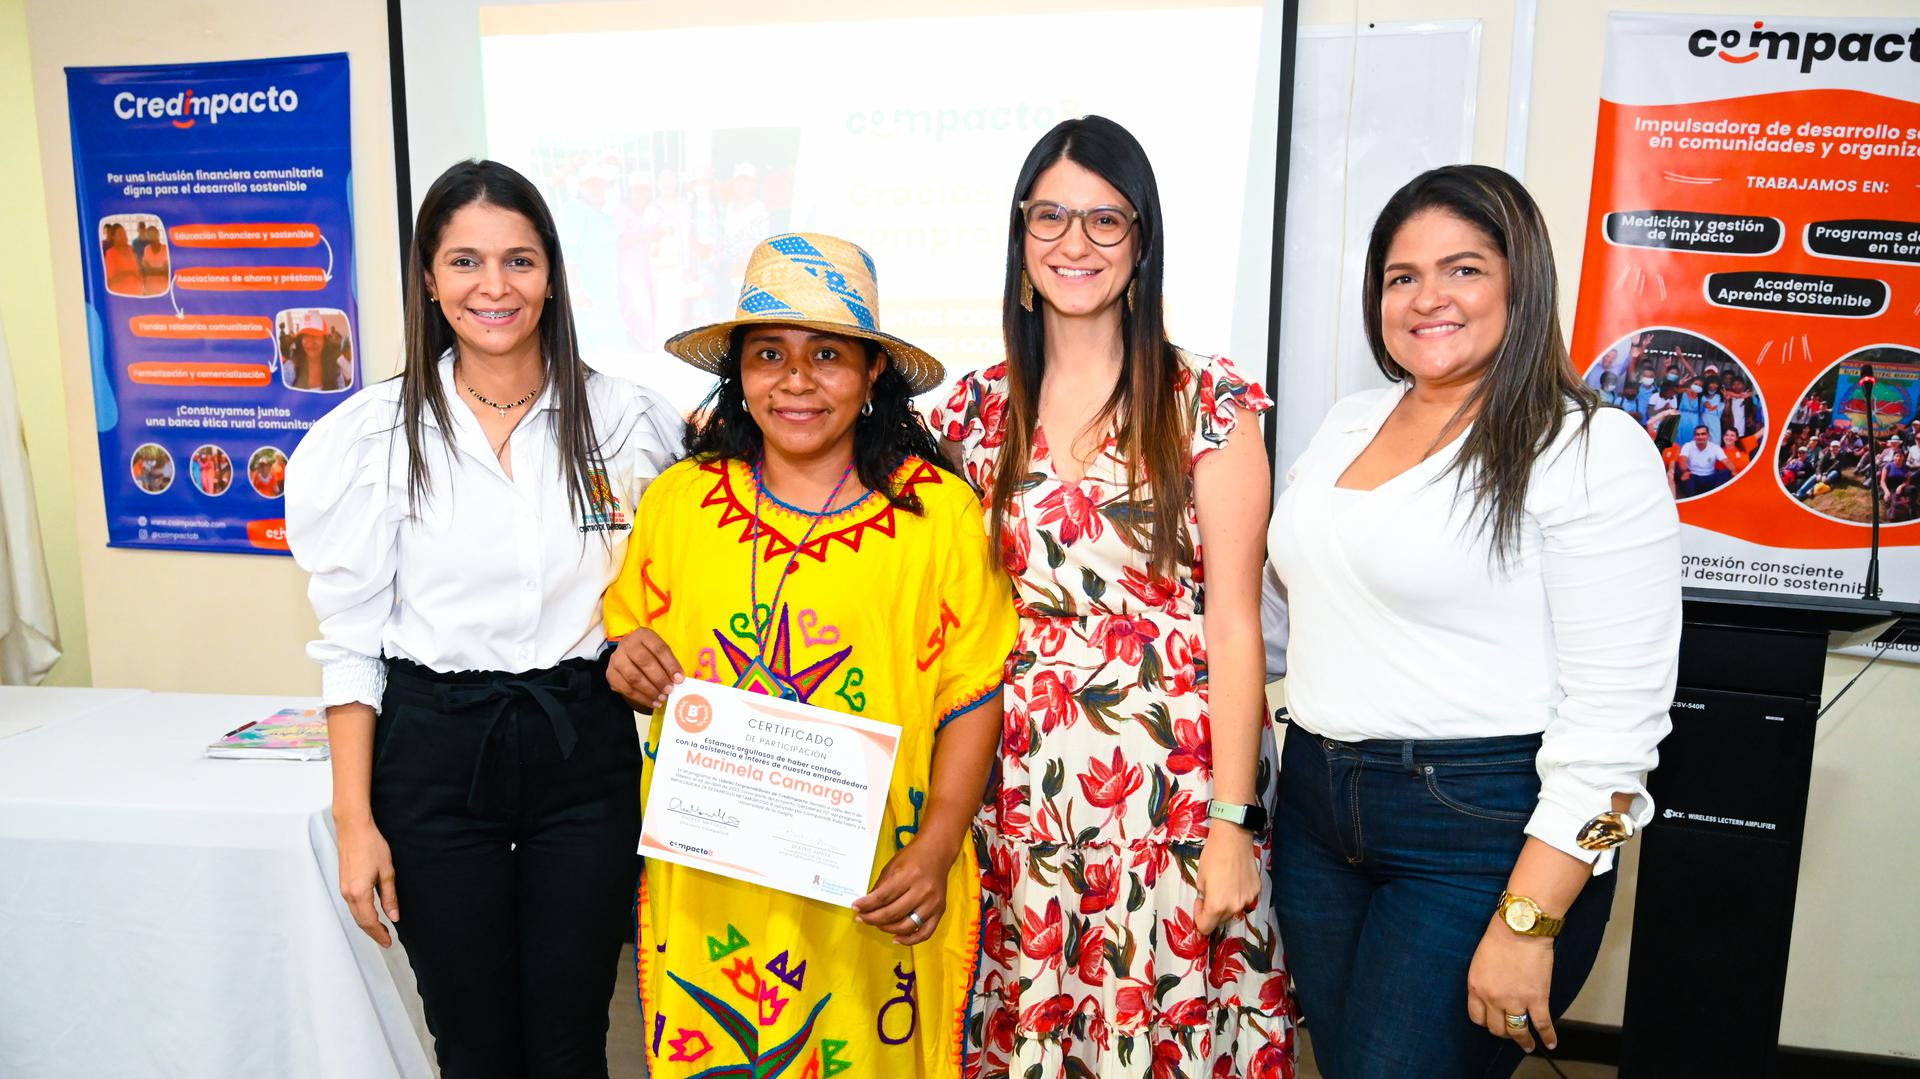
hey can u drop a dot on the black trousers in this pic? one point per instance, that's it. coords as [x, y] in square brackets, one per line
[511, 803]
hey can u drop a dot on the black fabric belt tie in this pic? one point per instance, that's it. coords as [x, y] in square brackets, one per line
[502, 693]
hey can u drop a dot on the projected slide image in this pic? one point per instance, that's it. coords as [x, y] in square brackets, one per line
[650, 230]
[1824, 463]
[1699, 404]
[668, 152]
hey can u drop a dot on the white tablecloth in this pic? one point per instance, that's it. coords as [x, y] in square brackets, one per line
[162, 914]
[22, 708]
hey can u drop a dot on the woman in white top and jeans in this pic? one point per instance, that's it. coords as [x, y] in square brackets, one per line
[452, 542]
[1483, 572]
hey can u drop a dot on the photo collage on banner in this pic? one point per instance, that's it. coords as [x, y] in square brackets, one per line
[1751, 289]
[216, 242]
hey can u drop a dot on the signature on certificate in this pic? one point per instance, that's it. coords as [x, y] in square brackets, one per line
[692, 809]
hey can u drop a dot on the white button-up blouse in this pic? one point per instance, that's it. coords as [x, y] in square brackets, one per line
[494, 572]
[1405, 627]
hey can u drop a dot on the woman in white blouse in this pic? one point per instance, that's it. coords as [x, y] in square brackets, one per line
[460, 523]
[1483, 571]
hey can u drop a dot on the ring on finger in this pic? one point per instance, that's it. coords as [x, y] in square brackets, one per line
[1516, 1022]
[918, 922]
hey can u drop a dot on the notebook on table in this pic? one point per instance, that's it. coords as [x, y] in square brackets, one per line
[294, 734]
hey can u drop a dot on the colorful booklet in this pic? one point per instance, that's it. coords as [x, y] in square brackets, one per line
[291, 734]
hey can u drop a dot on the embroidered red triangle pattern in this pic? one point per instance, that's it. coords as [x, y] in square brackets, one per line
[734, 510]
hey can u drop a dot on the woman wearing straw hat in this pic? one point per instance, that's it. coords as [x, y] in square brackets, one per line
[758, 563]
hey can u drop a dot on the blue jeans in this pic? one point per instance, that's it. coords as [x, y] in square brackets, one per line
[1699, 485]
[1390, 858]
[1806, 489]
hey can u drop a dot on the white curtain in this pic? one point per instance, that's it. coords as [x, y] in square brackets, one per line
[1374, 105]
[29, 638]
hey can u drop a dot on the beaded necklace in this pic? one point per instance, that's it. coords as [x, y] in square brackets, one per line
[509, 406]
[753, 556]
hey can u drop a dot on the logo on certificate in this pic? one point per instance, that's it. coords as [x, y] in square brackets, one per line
[693, 713]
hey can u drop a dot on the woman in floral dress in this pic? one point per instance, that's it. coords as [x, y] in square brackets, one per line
[1126, 932]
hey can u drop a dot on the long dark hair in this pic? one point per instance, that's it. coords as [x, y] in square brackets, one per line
[1152, 423]
[1520, 405]
[882, 440]
[430, 335]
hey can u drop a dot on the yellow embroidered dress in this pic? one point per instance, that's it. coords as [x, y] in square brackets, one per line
[896, 617]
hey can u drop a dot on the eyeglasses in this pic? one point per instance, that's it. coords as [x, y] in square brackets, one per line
[1104, 225]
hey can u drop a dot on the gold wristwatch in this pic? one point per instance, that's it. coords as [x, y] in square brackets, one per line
[1522, 915]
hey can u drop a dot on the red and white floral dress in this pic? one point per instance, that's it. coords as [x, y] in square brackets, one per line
[1090, 840]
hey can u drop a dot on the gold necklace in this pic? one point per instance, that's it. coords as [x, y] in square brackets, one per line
[511, 405]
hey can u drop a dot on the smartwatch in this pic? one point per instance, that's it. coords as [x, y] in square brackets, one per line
[1253, 818]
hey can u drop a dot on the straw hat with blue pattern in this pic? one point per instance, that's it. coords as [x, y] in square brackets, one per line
[818, 282]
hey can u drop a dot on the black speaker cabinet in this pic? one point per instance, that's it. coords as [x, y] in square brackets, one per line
[1713, 916]
[1713, 919]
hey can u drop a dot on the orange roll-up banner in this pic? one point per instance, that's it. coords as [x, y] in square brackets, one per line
[1751, 289]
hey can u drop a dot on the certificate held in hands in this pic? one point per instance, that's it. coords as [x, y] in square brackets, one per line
[768, 791]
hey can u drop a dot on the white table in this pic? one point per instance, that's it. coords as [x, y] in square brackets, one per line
[162, 914]
[23, 708]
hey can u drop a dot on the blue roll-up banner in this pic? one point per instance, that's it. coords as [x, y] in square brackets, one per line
[216, 236]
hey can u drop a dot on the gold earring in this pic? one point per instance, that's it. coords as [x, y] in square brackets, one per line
[1133, 301]
[1026, 291]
